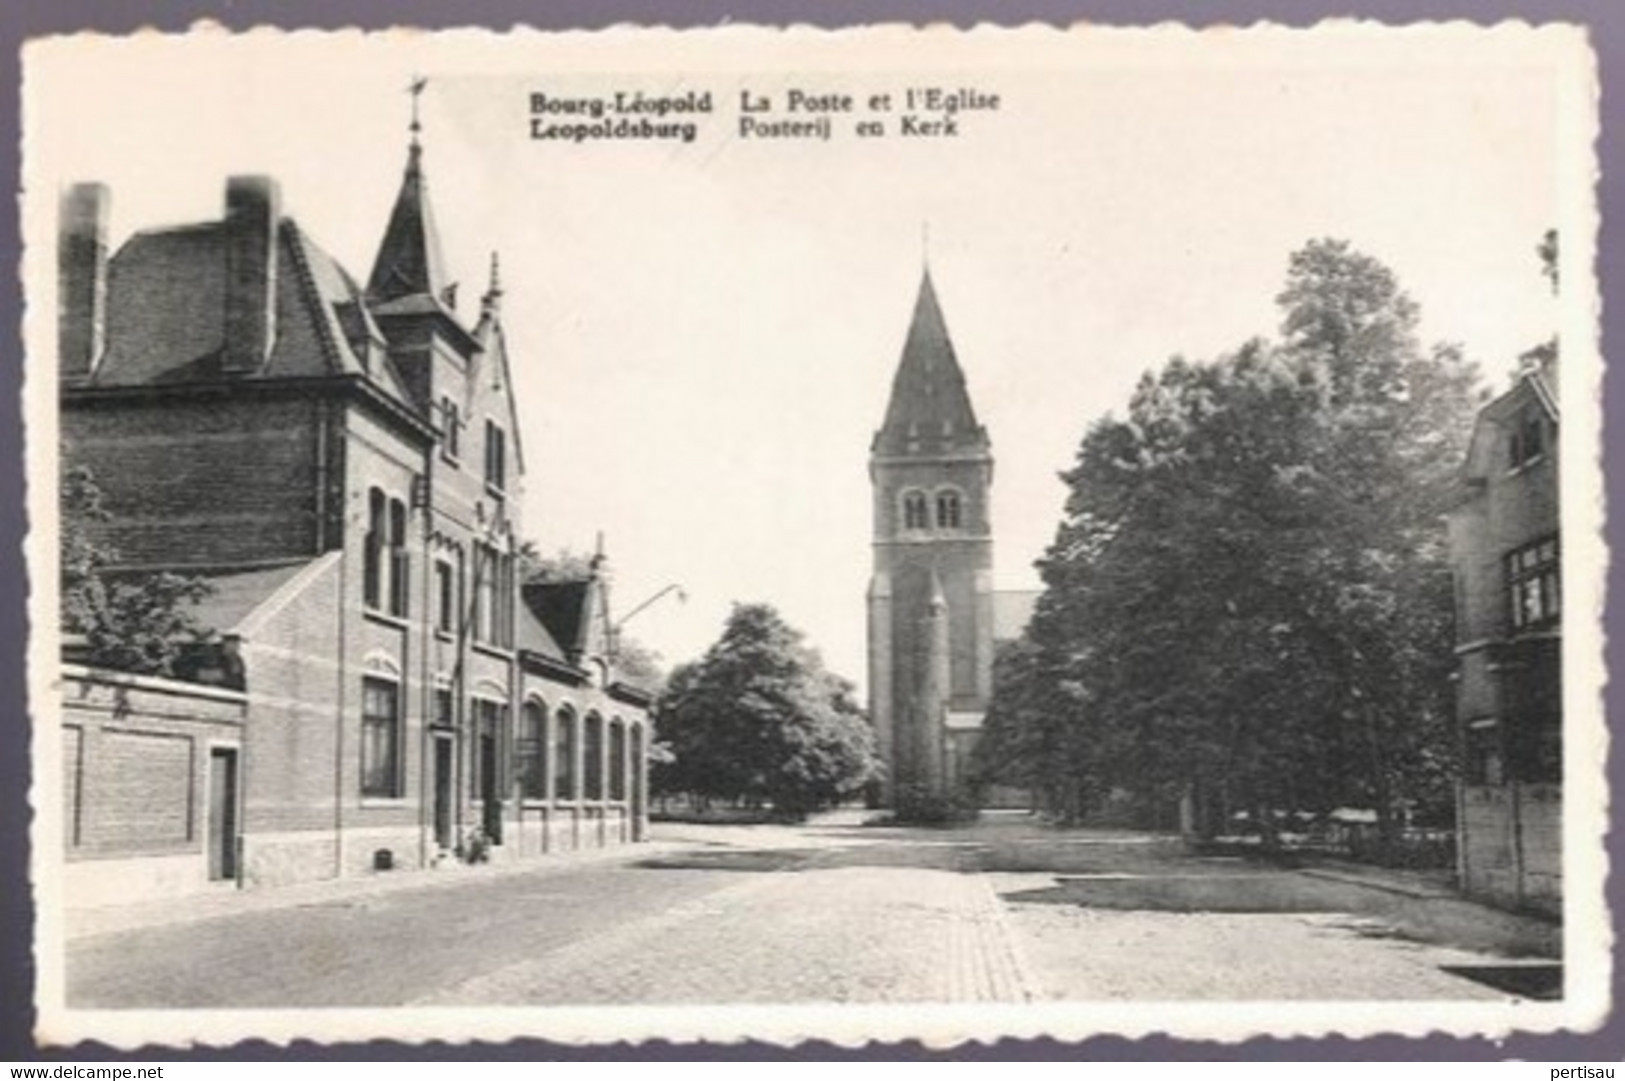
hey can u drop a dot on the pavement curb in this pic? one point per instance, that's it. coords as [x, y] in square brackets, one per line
[1419, 891]
[91, 921]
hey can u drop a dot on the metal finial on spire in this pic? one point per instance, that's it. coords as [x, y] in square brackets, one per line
[416, 90]
[496, 275]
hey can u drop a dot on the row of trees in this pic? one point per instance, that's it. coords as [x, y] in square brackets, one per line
[1248, 597]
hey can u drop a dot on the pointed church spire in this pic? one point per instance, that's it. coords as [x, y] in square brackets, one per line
[409, 263]
[930, 410]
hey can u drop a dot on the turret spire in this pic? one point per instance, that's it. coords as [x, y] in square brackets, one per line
[409, 262]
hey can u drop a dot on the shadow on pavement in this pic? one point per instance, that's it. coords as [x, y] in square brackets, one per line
[1541, 982]
[1194, 893]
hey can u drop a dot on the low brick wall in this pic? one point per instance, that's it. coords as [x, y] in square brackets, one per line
[137, 819]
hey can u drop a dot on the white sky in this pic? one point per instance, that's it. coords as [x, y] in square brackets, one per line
[704, 335]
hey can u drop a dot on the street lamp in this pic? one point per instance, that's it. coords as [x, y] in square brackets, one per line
[615, 628]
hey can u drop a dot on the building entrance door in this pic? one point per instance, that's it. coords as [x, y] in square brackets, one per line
[221, 836]
[443, 772]
[490, 794]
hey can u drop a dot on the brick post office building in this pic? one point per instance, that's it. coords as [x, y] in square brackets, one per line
[342, 464]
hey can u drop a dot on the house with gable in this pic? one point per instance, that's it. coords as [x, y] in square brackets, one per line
[1505, 550]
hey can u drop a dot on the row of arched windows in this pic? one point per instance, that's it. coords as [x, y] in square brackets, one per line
[546, 751]
[917, 508]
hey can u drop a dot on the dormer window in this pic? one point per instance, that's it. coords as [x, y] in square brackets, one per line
[1527, 443]
[496, 457]
[451, 430]
[915, 514]
[948, 509]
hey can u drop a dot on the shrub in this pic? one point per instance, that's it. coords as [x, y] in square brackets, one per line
[916, 805]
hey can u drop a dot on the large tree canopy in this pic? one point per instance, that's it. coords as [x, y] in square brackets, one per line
[1248, 594]
[759, 718]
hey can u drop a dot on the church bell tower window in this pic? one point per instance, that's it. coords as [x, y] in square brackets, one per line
[914, 511]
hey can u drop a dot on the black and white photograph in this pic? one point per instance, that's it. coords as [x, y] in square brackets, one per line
[881, 534]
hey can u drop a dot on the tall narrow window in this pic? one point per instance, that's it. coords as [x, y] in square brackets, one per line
[530, 751]
[617, 760]
[1534, 584]
[948, 509]
[380, 739]
[487, 594]
[451, 435]
[443, 708]
[592, 753]
[564, 755]
[496, 456]
[400, 578]
[914, 511]
[372, 556]
[445, 593]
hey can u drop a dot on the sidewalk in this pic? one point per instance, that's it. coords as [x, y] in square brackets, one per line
[226, 900]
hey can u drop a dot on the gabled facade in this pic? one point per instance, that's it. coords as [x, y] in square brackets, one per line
[1506, 547]
[343, 465]
[932, 606]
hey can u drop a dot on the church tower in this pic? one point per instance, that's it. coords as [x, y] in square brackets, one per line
[930, 598]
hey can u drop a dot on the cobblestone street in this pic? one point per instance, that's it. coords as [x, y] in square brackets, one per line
[834, 912]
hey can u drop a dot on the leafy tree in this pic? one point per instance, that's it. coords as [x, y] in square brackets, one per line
[759, 719]
[1248, 597]
[565, 565]
[130, 622]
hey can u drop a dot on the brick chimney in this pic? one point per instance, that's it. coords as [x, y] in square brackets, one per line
[81, 283]
[253, 212]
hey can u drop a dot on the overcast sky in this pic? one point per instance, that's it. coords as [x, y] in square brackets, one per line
[704, 334]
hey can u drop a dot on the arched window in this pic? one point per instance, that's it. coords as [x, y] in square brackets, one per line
[384, 562]
[617, 759]
[564, 754]
[639, 763]
[372, 562]
[592, 753]
[530, 751]
[914, 511]
[948, 515]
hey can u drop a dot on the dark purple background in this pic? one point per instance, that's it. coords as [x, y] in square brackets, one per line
[20, 19]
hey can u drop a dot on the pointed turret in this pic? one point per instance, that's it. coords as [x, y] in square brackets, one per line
[409, 262]
[408, 293]
[929, 411]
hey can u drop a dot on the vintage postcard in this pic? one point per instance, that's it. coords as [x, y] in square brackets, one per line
[868, 535]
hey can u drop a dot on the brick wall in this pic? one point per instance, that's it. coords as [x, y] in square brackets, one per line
[200, 481]
[135, 755]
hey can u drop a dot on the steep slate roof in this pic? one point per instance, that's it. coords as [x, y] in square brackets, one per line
[929, 411]
[565, 610]
[409, 262]
[235, 594]
[1484, 451]
[533, 635]
[166, 312]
